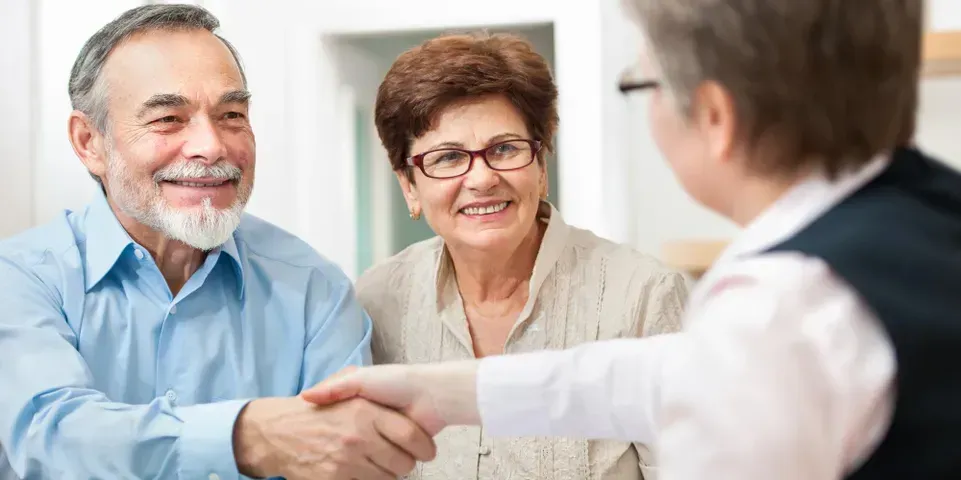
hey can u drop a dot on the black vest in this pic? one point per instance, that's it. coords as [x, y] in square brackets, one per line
[897, 242]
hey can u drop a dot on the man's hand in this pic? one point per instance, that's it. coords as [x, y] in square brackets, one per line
[292, 438]
[434, 396]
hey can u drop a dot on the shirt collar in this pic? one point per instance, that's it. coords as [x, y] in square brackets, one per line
[553, 243]
[797, 208]
[107, 240]
[230, 248]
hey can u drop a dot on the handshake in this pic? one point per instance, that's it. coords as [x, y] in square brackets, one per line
[370, 423]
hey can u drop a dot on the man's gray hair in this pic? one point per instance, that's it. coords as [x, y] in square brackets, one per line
[88, 91]
[835, 79]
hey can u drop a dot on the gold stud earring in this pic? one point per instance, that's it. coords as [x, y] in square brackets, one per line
[414, 216]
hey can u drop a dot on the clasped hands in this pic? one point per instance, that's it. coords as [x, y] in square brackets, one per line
[367, 423]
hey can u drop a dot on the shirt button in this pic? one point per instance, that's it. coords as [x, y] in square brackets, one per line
[485, 450]
[138, 253]
[173, 309]
[213, 476]
[171, 395]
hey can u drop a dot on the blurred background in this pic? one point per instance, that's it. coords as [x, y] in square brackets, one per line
[313, 68]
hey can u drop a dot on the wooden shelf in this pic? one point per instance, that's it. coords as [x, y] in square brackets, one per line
[942, 53]
[693, 257]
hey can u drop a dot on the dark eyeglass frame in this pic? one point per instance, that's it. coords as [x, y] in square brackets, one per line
[418, 160]
[628, 86]
[633, 79]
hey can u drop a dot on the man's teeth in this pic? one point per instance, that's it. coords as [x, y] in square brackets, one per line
[198, 185]
[485, 210]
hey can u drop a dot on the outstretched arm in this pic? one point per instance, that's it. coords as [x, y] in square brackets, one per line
[600, 390]
[54, 424]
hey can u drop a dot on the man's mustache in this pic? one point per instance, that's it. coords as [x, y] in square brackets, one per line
[187, 170]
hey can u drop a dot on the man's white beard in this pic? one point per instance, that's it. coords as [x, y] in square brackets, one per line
[204, 227]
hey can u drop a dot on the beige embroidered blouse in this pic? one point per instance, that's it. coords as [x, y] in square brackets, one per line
[583, 288]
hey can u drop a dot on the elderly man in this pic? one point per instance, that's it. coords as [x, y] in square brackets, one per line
[820, 345]
[141, 337]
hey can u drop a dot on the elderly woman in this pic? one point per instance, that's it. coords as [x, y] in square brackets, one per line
[467, 122]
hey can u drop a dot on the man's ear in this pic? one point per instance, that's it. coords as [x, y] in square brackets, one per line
[88, 143]
[409, 188]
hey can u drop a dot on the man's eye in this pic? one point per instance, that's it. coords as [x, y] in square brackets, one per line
[233, 115]
[167, 119]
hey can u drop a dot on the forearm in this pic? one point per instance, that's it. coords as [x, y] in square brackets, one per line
[602, 390]
[73, 433]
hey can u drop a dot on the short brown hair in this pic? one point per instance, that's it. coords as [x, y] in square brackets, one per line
[831, 80]
[428, 78]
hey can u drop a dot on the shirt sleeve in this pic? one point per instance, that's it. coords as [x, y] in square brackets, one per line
[339, 330]
[54, 424]
[603, 390]
[780, 373]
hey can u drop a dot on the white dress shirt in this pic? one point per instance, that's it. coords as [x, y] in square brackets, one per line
[781, 371]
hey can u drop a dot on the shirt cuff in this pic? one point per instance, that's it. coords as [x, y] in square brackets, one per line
[206, 446]
[511, 392]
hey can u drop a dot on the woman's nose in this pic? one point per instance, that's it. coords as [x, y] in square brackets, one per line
[481, 176]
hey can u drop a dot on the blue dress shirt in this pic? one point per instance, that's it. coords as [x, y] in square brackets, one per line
[105, 374]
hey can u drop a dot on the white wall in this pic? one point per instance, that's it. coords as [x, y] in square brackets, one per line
[939, 113]
[363, 64]
[939, 125]
[17, 104]
[60, 180]
[944, 14]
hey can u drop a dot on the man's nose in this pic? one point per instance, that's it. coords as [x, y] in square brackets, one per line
[204, 142]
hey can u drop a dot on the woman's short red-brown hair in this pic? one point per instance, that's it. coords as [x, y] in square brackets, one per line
[428, 78]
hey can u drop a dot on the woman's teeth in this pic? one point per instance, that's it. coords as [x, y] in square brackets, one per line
[485, 210]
